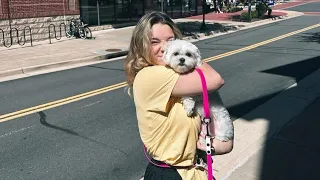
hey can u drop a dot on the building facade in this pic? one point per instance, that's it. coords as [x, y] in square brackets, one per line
[18, 9]
[96, 12]
[36, 14]
[40, 15]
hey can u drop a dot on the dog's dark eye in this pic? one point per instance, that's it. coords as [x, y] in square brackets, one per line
[188, 54]
[176, 53]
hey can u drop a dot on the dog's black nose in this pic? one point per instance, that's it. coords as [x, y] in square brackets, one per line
[182, 60]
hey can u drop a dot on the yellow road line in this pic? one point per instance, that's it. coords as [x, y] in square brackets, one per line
[57, 103]
[53, 104]
[259, 44]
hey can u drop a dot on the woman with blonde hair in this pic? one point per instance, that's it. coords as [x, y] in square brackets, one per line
[169, 135]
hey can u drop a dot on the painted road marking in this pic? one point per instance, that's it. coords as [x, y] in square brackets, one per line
[299, 4]
[61, 102]
[35, 109]
[259, 44]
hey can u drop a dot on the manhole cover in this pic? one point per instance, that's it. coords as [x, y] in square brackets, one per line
[113, 50]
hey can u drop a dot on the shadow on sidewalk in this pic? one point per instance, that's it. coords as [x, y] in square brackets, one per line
[290, 153]
[295, 156]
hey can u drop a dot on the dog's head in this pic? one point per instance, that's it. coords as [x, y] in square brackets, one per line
[182, 56]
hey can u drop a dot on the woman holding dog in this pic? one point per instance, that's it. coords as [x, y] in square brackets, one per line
[169, 135]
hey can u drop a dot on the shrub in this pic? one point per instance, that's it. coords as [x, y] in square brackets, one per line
[245, 15]
[254, 14]
[261, 8]
[235, 9]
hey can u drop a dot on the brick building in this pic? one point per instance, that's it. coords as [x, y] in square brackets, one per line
[37, 8]
[39, 14]
[96, 12]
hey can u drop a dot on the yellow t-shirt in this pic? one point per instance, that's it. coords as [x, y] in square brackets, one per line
[167, 132]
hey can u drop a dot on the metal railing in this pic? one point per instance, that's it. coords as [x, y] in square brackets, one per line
[20, 42]
[55, 32]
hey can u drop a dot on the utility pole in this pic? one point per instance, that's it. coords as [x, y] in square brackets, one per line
[98, 12]
[203, 25]
[161, 5]
[249, 10]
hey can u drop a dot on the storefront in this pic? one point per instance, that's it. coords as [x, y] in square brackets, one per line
[98, 12]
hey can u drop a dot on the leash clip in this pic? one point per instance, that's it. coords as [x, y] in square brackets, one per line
[207, 120]
[208, 145]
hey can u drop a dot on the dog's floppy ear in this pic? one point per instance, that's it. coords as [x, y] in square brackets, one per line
[165, 49]
[198, 58]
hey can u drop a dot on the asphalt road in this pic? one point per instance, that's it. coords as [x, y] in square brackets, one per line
[310, 7]
[97, 138]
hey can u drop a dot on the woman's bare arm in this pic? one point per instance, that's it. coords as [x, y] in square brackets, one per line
[218, 146]
[222, 147]
[190, 84]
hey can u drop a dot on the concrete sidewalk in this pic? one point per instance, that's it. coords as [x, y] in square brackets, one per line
[279, 139]
[18, 59]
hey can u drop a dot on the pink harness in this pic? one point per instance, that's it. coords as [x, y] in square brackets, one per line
[206, 120]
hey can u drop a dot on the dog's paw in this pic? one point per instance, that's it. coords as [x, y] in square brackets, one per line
[189, 110]
[188, 104]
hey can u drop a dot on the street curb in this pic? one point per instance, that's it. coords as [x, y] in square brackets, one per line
[51, 66]
[202, 36]
[252, 132]
[30, 69]
[124, 52]
[109, 55]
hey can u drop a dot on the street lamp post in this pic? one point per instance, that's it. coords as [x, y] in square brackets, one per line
[203, 25]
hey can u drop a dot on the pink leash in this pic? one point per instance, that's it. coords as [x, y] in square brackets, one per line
[159, 165]
[206, 119]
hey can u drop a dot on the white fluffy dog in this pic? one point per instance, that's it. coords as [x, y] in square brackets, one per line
[183, 56]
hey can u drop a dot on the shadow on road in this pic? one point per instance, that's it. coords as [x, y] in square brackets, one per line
[44, 122]
[309, 37]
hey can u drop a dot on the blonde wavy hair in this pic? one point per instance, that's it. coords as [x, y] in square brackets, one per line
[140, 52]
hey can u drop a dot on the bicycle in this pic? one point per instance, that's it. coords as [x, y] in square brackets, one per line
[78, 29]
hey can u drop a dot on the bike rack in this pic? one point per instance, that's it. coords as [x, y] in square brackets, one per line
[62, 25]
[77, 21]
[55, 32]
[17, 36]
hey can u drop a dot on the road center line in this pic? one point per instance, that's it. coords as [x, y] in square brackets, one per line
[53, 104]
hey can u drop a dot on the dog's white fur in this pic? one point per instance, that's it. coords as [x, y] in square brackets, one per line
[183, 56]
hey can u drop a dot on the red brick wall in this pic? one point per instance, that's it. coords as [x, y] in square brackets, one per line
[37, 8]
